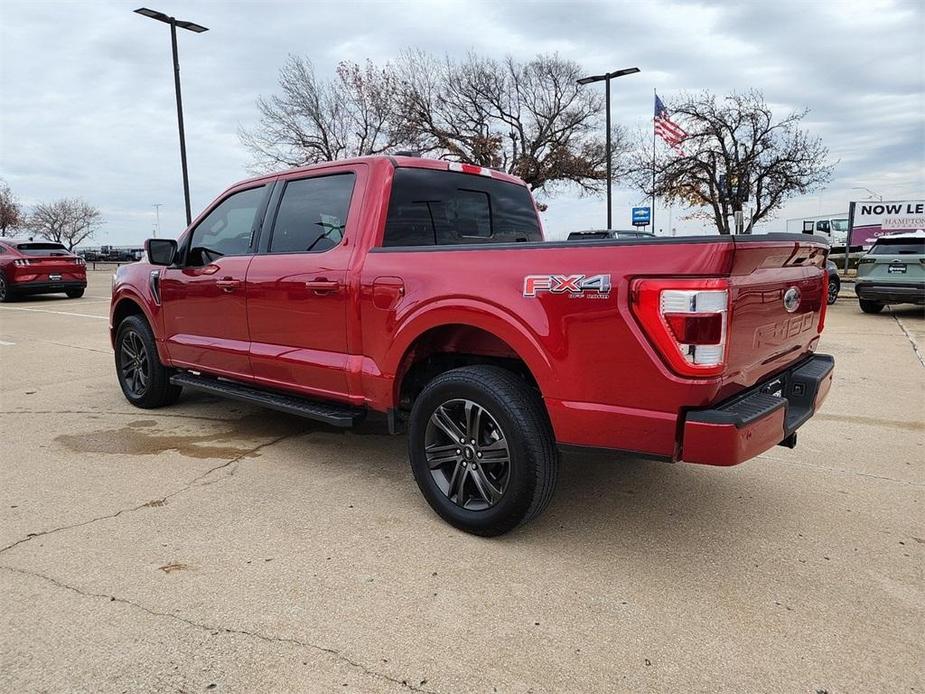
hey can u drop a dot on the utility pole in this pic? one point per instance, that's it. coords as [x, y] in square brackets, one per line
[157, 212]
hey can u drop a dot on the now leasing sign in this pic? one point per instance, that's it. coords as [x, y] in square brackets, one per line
[873, 219]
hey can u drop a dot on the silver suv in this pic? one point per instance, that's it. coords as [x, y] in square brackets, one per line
[892, 272]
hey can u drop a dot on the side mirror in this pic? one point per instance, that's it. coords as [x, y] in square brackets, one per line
[161, 251]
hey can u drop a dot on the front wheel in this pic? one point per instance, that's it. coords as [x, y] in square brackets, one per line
[868, 306]
[834, 287]
[482, 449]
[144, 380]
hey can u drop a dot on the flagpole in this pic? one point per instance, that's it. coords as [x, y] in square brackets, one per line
[652, 216]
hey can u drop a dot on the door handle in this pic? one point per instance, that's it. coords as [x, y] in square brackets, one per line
[322, 286]
[227, 284]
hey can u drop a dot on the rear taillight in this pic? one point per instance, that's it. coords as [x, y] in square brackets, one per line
[22, 262]
[80, 261]
[686, 320]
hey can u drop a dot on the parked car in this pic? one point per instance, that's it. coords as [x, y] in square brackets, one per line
[834, 281]
[597, 234]
[422, 293]
[40, 267]
[892, 272]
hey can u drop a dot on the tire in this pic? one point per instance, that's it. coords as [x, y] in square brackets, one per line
[834, 287]
[508, 476]
[6, 294]
[74, 293]
[868, 306]
[145, 382]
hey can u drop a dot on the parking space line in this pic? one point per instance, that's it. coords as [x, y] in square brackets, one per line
[7, 344]
[59, 313]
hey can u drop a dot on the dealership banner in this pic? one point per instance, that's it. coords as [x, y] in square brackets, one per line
[873, 219]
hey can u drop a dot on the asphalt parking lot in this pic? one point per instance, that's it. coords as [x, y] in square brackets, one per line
[214, 547]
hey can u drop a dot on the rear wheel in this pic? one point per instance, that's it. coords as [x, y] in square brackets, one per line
[834, 287]
[5, 293]
[482, 450]
[868, 306]
[74, 293]
[144, 380]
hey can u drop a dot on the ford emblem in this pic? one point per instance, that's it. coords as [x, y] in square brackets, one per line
[792, 299]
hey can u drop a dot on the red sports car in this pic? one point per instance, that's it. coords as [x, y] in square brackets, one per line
[40, 267]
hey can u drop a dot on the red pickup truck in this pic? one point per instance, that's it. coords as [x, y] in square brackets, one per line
[422, 292]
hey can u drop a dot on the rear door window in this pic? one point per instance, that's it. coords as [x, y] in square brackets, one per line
[312, 214]
[433, 208]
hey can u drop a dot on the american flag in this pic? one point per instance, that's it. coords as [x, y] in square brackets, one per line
[666, 128]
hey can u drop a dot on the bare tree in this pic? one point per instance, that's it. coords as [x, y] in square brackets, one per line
[735, 157]
[314, 120]
[68, 221]
[531, 119]
[11, 214]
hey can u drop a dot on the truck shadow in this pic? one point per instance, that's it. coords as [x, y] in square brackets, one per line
[602, 501]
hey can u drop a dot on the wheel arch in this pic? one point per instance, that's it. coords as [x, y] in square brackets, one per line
[459, 335]
[129, 304]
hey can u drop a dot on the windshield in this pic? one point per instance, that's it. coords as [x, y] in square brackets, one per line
[840, 224]
[42, 249]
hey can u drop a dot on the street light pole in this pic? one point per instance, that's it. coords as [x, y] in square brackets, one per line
[198, 29]
[176, 81]
[609, 156]
[606, 79]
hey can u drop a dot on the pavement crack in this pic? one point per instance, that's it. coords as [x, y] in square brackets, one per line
[841, 471]
[107, 352]
[147, 504]
[909, 336]
[335, 653]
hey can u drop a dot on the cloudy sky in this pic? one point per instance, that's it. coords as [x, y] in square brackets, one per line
[87, 105]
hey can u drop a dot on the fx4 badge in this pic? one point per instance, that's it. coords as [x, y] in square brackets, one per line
[593, 286]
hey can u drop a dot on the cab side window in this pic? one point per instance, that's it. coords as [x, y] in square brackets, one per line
[227, 229]
[312, 214]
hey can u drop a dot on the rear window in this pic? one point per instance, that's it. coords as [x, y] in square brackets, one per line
[42, 249]
[435, 208]
[898, 247]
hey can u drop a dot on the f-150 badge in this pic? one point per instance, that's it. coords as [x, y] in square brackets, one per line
[593, 286]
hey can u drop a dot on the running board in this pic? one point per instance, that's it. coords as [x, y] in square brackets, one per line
[330, 413]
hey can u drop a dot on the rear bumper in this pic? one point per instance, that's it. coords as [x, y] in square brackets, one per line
[889, 293]
[46, 287]
[760, 418]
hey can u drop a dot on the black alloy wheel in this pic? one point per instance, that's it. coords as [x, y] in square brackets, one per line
[834, 287]
[482, 449]
[134, 364]
[467, 454]
[145, 381]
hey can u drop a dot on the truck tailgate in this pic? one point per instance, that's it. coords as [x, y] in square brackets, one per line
[777, 305]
